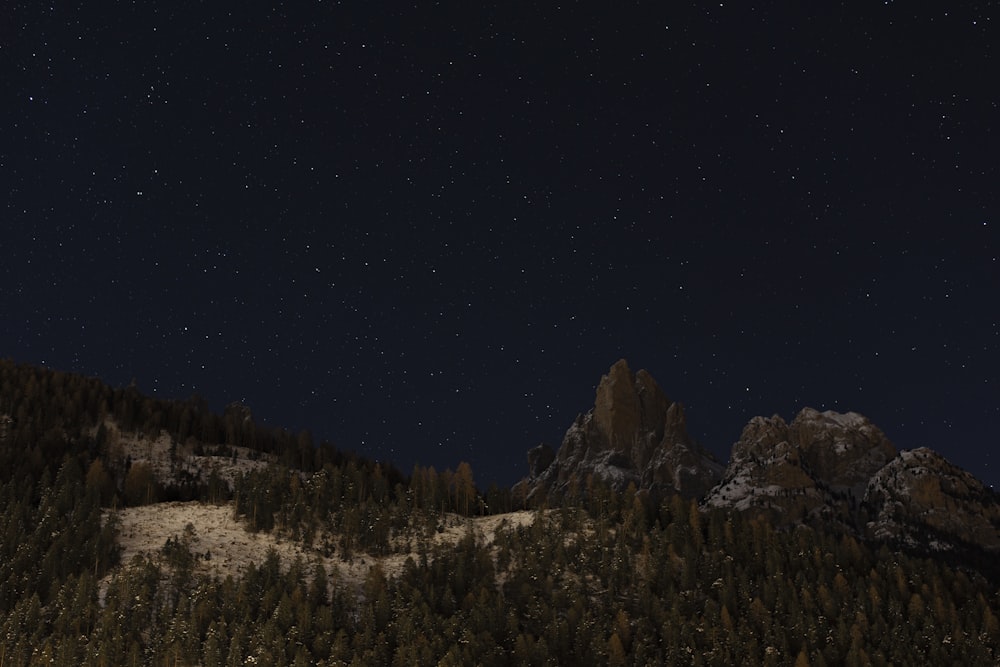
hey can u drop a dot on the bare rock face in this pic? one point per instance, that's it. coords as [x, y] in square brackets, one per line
[617, 409]
[766, 474]
[921, 500]
[540, 458]
[845, 450]
[633, 434]
[817, 467]
[840, 470]
[830, 469]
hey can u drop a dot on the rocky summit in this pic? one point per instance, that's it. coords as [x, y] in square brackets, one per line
[825, 469]
[841, 470]
[818, 466]
[634, 434]
[921, 500]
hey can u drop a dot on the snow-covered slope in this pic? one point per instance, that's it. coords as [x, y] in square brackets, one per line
[222, 546]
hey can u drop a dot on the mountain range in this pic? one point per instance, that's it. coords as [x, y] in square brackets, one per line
[837, 470]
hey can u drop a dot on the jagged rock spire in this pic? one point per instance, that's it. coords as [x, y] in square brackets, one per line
[633, 434]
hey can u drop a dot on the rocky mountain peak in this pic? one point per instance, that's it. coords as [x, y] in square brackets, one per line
[760, 437]
[844, 449]
[823, 467]
[840, 469]
[816, 467]
[921, 499]
[627, 404]
[633, 434]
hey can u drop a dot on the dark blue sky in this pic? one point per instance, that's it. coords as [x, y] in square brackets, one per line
[424, 233]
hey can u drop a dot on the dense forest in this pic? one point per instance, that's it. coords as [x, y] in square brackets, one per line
[598, 578]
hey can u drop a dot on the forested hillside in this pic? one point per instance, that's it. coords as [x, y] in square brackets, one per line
[600, 577]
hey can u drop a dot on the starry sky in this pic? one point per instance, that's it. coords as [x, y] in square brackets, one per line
[425, 232]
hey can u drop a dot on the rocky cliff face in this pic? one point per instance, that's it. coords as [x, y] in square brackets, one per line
[816, 467]
[844, 450]
[921, 500]
[633, 434]
[823, 468]
[840, 469]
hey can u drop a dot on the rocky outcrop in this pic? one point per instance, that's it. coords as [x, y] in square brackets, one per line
[540, 458]
[633, 434]
[840, 470]
[844, 450]
[816, 468]
[825, 468]
[920, 500]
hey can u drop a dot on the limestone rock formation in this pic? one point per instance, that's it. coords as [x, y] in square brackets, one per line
[633, 434]
[845, 450]
[841, 470]
[540, 458]
[826, 468]
[817, 467]
[921, 500]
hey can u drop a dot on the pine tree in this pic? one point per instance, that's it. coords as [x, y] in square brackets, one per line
[617, 656]
[318, 587]
[465, 488]
[99, 482]
[140, 485]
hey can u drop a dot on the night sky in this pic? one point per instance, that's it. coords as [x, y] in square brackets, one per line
[424, 233]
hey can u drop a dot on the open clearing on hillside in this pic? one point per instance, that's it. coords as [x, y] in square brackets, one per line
[223, 546]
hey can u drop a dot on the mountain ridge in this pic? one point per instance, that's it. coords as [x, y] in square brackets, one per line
[824, 467]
